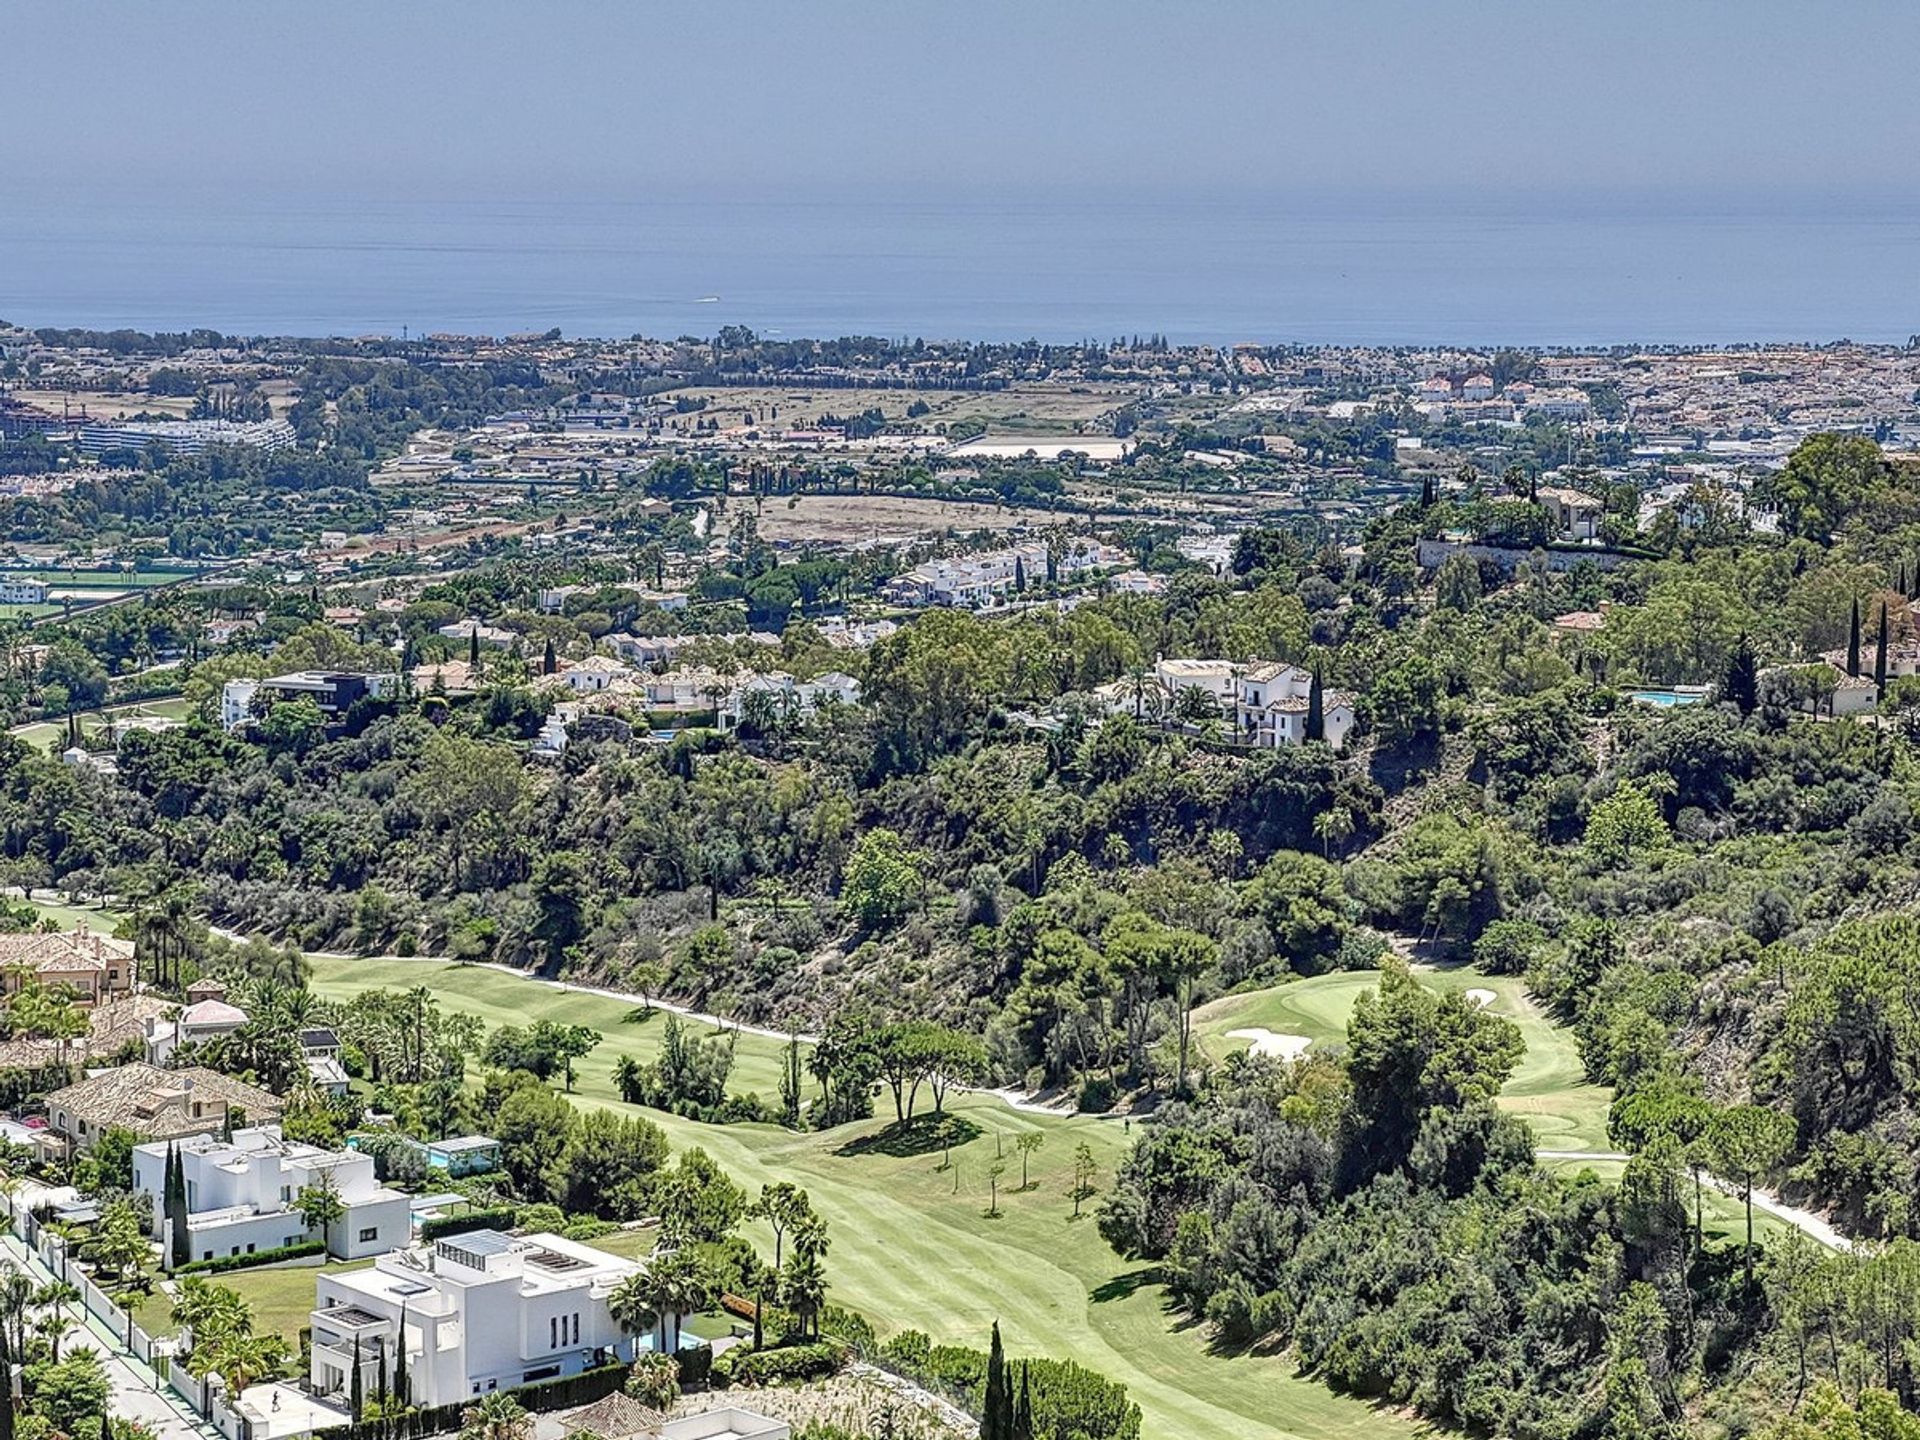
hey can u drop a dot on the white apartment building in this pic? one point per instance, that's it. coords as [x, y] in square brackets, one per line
[23, 592]
[971, 581]
[477, 1312]
[241, 1195]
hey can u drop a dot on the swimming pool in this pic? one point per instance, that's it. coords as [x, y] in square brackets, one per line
[1666, 699]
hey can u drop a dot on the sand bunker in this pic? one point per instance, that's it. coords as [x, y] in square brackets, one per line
[1482, 998]
[1265, 1042]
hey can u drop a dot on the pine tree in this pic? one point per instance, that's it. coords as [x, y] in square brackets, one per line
[1742, 683]
[1853, 642]
[997, 1421]
[1316, 712]
[1880, 653]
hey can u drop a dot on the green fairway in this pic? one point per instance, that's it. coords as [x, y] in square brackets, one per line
[913, 1246]
[502, 999]
[68, 917]
[1725, 1217]
[52, 734]
[1549, 1088]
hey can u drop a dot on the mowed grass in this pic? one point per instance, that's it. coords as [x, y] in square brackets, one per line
[1549, 1087]
[282, 1300]
[912, 1244]
[498, 998]
[52, 734]
[1724, 1217]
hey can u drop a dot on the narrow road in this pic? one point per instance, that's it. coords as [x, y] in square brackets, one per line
[1809, 1223]
[137, 1393]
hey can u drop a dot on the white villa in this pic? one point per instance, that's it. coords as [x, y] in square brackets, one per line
[206, 1016]
[790, 696]
[1266, 700]
[477, 1312]
[1272, 707]
[241, 1195]
[975, 580]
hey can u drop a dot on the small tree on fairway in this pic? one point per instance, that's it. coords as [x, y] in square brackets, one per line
[1026, 1145]
[1084, 1170]
[994, 1172]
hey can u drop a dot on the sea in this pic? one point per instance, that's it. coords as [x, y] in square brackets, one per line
[1356, 267]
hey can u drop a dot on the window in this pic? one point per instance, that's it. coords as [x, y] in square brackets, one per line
[249, 1247]
[372, 1232]
[576, 1327]
[553, 1332]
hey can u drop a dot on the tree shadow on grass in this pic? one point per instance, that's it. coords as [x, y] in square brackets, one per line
[639, 1015]
[917, 1137]
[1126, 1284]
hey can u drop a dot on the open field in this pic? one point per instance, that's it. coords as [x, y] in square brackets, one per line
[1042, 409]
[913, 1245]
[887, 518]
[51, 734]
[1549, 1088]
[67, 917]
[109, 405]
[28, 612]
[119, 581]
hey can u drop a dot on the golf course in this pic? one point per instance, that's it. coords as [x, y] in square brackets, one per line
[914, 1245]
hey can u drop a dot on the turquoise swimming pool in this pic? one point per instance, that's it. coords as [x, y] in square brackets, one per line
[1666, 699]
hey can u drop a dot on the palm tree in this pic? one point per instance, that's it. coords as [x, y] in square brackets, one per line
[496, 1417]
[243, 1359]
[676, 1284]
[803, 1287]
[631, 1306]
[52, 1327]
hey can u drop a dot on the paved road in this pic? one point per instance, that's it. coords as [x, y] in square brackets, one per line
[137, 1392]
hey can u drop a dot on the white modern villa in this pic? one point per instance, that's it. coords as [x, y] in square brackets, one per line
[241, 1195]
[477, 1312]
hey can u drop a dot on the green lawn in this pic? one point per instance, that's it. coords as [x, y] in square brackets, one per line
[67, 917]
[282, 1299]
[1725, 1217]
[1549, 1088]
[52, 734]
[913, 1246]
[502, 999]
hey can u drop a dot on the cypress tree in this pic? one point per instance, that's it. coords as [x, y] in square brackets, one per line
[1853, 642]
[549, 662]
[400, 1362]
[356, 1387]
[997, 1422]
[1426, 492]
[1019, 576]
[106, 1427]
[1023, 1409]
[473, 646]
[1316, 710]
[380, 1376]
[6, 1396]
[1880, 653]
[1901, 581]
[1742, 683]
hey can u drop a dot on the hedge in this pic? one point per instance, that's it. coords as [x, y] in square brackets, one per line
[501, 1217]
[814, 1361]
[543, 1395]
[221, 1264]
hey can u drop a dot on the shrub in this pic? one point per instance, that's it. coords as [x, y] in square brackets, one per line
[696, 1367]
[221, 1264]
[498, 1218]
[789, 1362]
[1096, 1095]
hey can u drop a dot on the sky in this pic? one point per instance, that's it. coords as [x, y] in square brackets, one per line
[480, 97]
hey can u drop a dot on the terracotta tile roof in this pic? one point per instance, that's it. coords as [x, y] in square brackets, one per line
[155, 1103]
[66, 950]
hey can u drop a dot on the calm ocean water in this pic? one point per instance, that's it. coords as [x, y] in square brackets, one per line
[1338, 270]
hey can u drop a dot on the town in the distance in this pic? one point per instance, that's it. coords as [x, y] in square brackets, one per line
[708, 888]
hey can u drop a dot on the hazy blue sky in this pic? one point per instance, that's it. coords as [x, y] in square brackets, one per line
[478, 96]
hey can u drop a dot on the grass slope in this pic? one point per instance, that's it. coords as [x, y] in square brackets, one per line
[1549, 1087]
[913, 1246]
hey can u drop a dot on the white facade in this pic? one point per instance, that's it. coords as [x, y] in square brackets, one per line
[477, 1313]
[975, 580]
[798, 698]
[1272, 707]
[23, 592]
[236, 700]
[241, 1195]
[594, 674]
